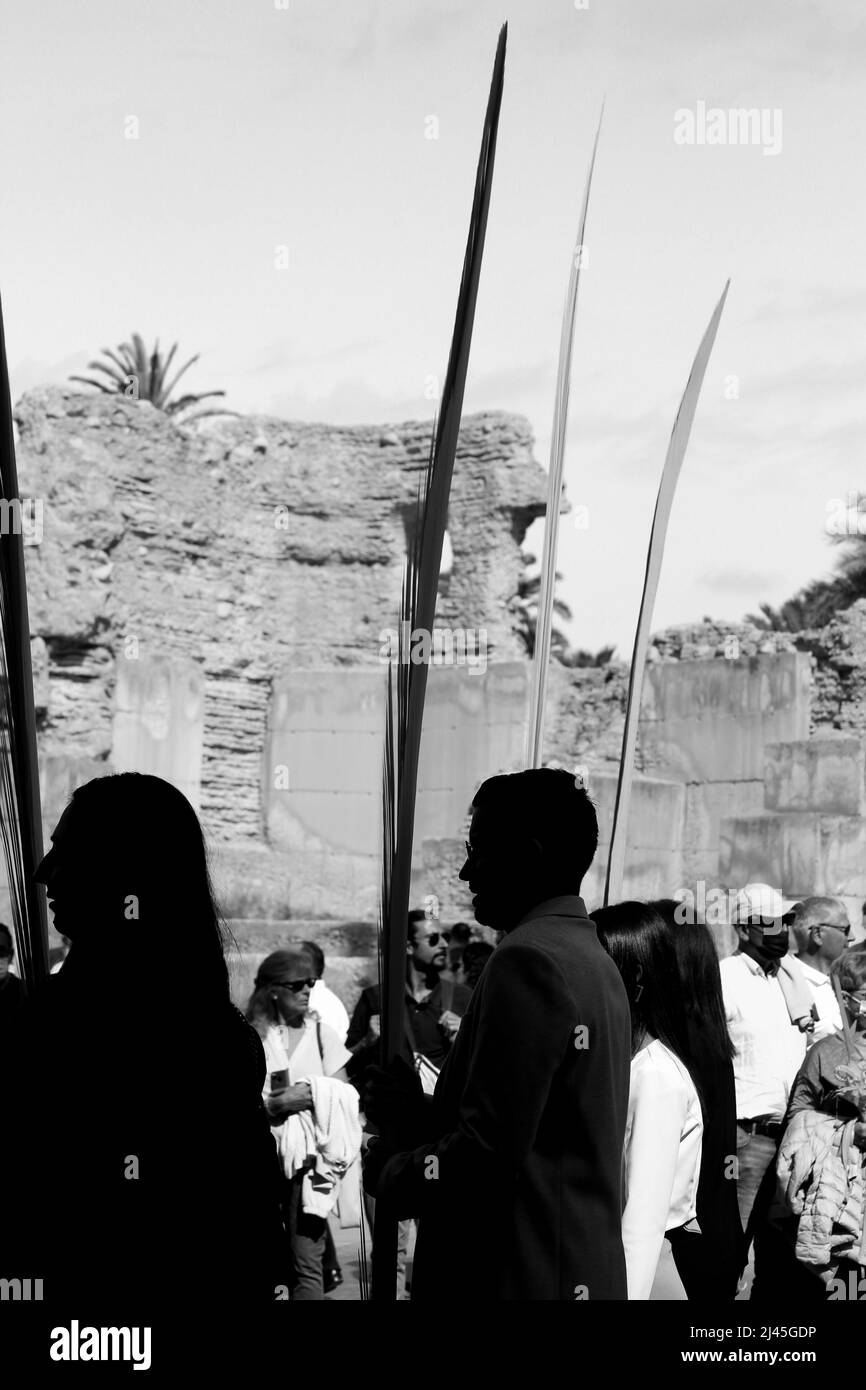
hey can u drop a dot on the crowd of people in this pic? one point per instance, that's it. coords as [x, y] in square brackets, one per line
[583, 1105]
[631, 1110]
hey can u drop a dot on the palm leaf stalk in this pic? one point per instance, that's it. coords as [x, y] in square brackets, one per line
[20, 813]
[670, 474]
[405, 710]
[548, 575]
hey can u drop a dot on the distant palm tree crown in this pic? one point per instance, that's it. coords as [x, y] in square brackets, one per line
[818, 602]
[133, 372]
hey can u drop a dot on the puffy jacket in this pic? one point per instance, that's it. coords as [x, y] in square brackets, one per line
[821, 1181]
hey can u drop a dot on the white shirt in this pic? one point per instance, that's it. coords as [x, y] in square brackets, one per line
[325, 1003]
[770, 1048]
[826, 1003]
[661, 1160]
[306, 1059]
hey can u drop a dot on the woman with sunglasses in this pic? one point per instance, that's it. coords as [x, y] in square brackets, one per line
[297, 1044]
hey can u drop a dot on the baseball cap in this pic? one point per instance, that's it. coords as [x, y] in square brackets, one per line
[761, 900]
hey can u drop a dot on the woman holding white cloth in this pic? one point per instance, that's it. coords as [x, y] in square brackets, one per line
[662, 1153]
[297, 1044]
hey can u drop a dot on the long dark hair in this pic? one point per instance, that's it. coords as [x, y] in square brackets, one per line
[141, 840]
[701, 985]
[636, 939]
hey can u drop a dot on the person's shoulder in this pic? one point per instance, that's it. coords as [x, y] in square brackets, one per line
[331, 995]
[369, 998]
[827, 1050]
[657, 1071]
[732, 967]
[327, 1031]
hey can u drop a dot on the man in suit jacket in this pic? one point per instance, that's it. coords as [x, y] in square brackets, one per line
[518, 1185]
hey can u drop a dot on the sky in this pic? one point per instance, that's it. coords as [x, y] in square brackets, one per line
[309, 127]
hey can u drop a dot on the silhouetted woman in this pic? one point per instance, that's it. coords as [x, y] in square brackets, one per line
[147, 1157]
[710, 1264]
[662, 1153]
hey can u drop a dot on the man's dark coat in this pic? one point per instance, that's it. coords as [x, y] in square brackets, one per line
[520, 1194]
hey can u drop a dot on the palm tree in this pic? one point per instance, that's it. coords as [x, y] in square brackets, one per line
[132, 362]
[818, 602]
[525, 604]
[580, 657]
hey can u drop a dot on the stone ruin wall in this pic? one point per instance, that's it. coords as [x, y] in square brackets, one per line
[207, 603]
[187, 576]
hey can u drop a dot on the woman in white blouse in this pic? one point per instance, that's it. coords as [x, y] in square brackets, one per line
[662, 1155]
[297, 1045]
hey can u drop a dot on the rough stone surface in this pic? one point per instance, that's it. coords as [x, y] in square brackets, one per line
[825, 773]
[169, 541]
[185, 572]
[183, 569]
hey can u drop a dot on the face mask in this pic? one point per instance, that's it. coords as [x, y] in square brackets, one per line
[773, 947]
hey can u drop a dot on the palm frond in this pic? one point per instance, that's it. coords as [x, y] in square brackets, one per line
[100, 385]
[153, 375]
[125, 368]
[405, 703]
[184, 402]
[673, 463]
[159, 387]
[185, 368]
[20, 815]
[547, 579]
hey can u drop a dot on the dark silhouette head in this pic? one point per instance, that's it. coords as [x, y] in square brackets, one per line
[318, 958]
[700, 984]
[128, 883]
[636, 939]
[533, 837]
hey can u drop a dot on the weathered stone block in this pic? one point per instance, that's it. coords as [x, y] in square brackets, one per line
[710, 720]
[820, 774]
[649, 873]
[655, 814]
[797, 852]
[709, 803]
[159, 721]
[843, 856]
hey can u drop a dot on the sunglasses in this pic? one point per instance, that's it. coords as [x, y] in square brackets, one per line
[434, 938]
[294, 985]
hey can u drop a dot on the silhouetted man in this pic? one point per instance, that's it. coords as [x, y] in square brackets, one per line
[519, 1183]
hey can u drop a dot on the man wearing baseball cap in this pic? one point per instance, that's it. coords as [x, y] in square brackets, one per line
[770, 1017]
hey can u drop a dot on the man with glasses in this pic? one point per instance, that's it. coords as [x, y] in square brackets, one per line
[821, 931]
[433, 1010]
[434, 1007]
